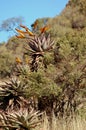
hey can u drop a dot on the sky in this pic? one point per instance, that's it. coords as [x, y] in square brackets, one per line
[30, 10]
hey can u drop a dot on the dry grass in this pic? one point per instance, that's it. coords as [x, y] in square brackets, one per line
[75, 123]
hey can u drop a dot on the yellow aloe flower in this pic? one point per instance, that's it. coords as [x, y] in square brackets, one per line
[19, 31]
[35, 24]
[27, 30]
[21, 35]
[30, 33]
[18, 60]
[45, 28]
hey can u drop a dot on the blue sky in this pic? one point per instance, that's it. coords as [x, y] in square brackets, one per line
[30, 10]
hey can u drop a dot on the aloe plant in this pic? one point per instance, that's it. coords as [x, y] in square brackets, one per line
[21, 70]
[37, 45]
[20, 120]
[12, 94]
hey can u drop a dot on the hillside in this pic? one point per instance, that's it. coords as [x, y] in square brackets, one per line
[57, 79]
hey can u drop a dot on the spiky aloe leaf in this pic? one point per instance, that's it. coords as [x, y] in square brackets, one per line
[40, 43]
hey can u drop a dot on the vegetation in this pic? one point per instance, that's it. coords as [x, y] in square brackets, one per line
[45, 71]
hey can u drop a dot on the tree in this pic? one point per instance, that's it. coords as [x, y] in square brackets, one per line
[10, 24]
